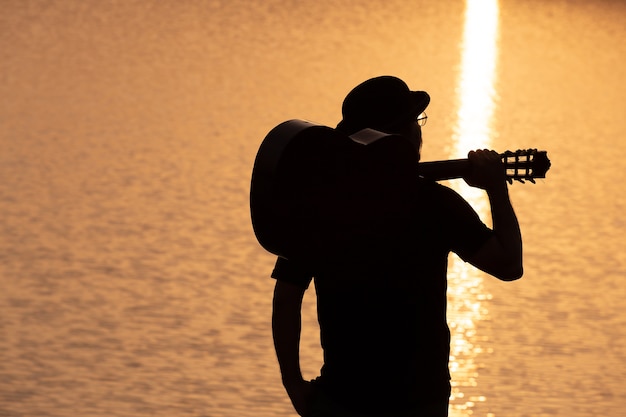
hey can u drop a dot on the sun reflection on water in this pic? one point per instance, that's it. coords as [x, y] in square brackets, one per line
[465, 285]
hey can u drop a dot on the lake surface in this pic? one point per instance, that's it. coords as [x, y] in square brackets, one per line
[131, 283]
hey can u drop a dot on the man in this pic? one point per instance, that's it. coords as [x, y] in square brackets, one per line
[382, 308]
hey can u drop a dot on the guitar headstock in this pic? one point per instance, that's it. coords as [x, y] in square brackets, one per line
[525, 165]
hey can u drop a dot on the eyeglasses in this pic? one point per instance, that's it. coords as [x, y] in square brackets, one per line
[421, 119]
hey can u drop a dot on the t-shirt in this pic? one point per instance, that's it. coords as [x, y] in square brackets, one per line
[382, 302]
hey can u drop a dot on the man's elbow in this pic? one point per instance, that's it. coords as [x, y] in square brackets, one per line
[511, 274]
[511, 266]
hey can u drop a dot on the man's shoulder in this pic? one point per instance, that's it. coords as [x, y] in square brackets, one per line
[437, 192]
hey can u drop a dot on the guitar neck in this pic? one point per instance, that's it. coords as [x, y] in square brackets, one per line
[444, 170]
[521, 165]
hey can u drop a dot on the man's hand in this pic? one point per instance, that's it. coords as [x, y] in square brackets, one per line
[487, 170]
[301, 394]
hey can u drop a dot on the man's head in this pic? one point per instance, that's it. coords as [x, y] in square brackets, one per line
[386, 104]
[381, 103]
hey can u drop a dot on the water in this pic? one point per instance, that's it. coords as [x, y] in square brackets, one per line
[131, 283]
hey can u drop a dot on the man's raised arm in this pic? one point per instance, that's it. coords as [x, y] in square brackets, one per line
[500, 256]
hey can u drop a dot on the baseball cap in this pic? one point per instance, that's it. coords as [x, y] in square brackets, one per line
[381, 103]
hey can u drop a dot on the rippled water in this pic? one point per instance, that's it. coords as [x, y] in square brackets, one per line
[130, 281]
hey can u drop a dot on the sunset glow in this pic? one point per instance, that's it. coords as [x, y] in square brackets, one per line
[476, 99]
[477, 95]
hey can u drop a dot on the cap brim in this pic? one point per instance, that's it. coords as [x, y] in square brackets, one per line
[420, 101]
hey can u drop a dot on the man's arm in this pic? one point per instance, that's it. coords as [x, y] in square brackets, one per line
[501, 255]
[286, 326]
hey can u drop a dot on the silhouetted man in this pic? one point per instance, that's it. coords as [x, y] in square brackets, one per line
[382, 308]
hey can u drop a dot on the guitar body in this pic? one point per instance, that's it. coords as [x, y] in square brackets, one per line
[311, 183]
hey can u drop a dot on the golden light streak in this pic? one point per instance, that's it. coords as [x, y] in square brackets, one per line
[476, 107]
[478, 65]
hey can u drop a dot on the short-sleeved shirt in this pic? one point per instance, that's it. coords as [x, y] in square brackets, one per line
[382, 304]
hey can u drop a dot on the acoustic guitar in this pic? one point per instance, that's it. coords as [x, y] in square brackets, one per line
[309, 180]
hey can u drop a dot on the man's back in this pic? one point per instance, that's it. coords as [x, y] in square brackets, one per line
[382, 303]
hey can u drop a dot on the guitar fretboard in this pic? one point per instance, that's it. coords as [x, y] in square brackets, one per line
[521, 165]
